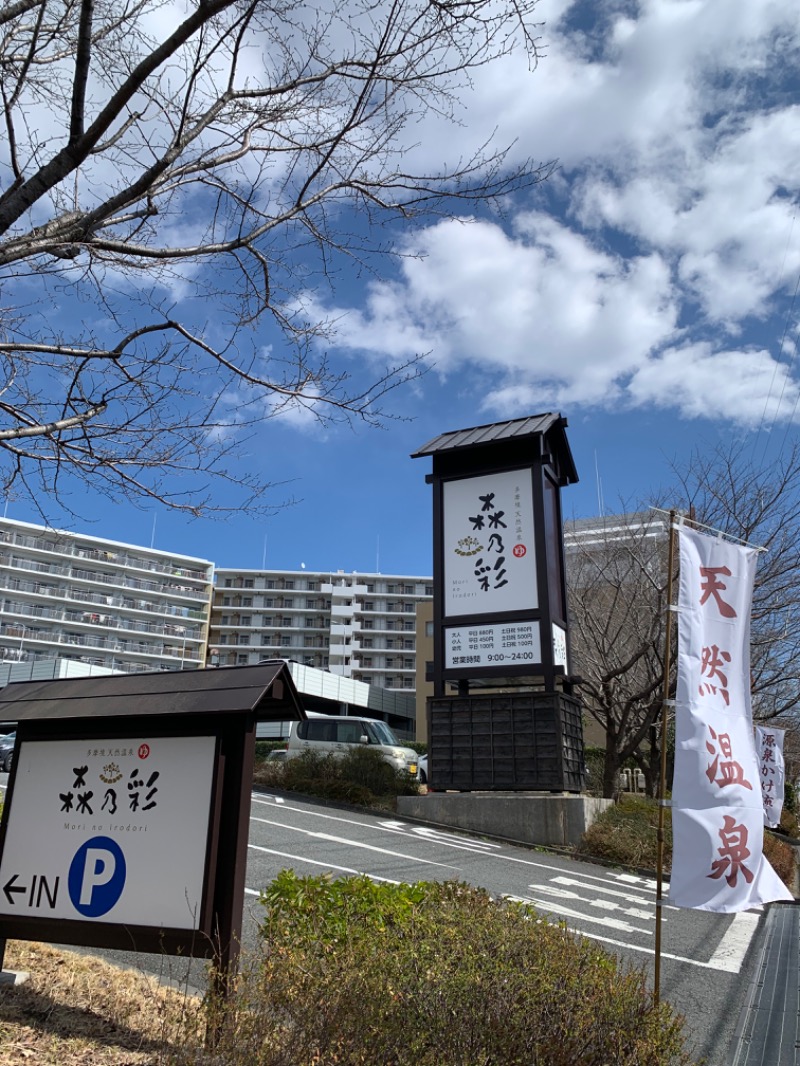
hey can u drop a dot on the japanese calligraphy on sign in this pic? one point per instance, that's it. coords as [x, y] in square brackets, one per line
[717, 817]
[121, 830]
[489, 557]
[769, 749]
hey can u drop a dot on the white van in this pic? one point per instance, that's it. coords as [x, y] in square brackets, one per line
[331, 735]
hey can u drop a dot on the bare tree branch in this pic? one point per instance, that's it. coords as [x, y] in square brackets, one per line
[191, 173]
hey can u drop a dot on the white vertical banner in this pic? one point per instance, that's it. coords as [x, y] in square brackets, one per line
[717, 816]
[771, 772]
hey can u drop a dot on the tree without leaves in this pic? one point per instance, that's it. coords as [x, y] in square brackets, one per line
[162, 159]
[617, 588]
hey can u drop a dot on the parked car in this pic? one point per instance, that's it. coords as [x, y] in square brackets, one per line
[422, 769]
[278, 755]
[7, 751]
[332, 735]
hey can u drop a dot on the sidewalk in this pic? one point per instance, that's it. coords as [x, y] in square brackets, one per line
[769, 1030]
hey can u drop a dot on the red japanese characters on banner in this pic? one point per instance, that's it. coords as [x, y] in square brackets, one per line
[769, 749]
[717, 817]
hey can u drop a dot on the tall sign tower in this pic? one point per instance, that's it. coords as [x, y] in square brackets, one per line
[503, 714]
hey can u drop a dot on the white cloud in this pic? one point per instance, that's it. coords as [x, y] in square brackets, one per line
[671, 222]
[746, 386]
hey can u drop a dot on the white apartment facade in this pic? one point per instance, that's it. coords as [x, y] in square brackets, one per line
[100, 602]
[357, 625]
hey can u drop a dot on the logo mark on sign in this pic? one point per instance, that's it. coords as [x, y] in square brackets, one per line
[519, 550]
[144, 751]
[96, 876]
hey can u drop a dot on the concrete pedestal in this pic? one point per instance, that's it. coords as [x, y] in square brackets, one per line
[527, 817]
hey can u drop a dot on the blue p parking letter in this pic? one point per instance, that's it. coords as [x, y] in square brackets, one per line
[96, 876]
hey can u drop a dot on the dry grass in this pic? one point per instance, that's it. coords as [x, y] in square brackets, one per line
[77, 1010]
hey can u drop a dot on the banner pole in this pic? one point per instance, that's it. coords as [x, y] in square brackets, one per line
[662, 784]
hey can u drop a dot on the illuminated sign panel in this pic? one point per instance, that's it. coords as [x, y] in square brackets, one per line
[489, 556]
[503, 644]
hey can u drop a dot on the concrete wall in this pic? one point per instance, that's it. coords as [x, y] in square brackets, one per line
[530, 818]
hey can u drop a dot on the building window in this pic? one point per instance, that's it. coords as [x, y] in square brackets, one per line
[247, 601]
[390, 588]
[288, 584]
[390, 643]
[248, 582]
[429, 629]
[286, 621]
[244, 621]
[390, 663]
[228, 582]
[311, 603]
[225, 620]
[389, 683]
[408, 607]
[368, 642]
[408, 626]
[286, 642]
[269, 583]
[408, 590]
[370, 588]
[309, 623]
[368, 623]
[369, 605]
[223, 639]
[269, 602]
[429, 590]
[408, 682]
[408, 645]
[226, 601]
[244, 638]
[265, 640]
[368, 661]
[241, 660]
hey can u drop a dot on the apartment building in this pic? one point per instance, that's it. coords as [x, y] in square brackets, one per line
[100, 602]
[361, 626]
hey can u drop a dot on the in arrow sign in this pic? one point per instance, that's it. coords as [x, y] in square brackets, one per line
[10, 887]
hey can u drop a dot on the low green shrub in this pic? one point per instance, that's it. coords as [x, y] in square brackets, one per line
[781, 857]
[354, 973]
[362, 776]
[626, 833]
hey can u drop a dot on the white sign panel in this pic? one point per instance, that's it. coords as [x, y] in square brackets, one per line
[771, 770]
[504, 644]
[113, 831]
[559, 646]
[489, 557]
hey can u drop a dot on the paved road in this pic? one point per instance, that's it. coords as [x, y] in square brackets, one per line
[706, 959]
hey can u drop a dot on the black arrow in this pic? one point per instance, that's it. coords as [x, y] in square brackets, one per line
[10, 887]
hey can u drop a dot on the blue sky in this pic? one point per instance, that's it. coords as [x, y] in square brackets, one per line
[646, 291]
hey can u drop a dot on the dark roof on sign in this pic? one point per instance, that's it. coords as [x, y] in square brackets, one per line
[516, 429]
[267, 691]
